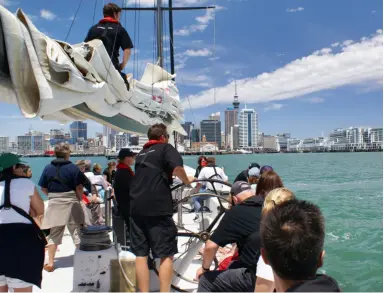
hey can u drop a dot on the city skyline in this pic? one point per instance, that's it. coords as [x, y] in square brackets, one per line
[304, 79]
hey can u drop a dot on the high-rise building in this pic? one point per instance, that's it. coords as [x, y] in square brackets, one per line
[195, 135]
[231, 117]
[78, 130]
[188, 126]
[27, 144]
[4, 144]
[248, 128]
[234, 137]
[211, 129]
[109, 135]
[121, 140]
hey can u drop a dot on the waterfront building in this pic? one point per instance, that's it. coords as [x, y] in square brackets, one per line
[248, 128]
[211, 129]
[4, 144]
[78, 130]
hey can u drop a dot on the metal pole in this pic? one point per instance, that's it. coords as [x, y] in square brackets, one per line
[160, 33]
[107, 207]
[171, 49]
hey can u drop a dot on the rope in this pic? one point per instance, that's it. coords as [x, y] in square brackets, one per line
[73, 20]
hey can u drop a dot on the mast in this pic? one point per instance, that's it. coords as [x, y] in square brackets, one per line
[171, 49]
[159, 17]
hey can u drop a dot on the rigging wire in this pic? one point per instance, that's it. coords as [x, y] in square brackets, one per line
[134, 37]
[94, 12]
[73, 20]
[138, 41]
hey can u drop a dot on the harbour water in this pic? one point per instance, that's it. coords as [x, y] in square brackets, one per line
[348, 189]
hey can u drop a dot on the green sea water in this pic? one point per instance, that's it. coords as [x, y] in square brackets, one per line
[348, 187]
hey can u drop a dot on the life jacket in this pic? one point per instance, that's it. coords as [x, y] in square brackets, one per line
[8, 205]
[214, 176]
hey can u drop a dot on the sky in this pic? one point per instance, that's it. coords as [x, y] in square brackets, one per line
[306, 67]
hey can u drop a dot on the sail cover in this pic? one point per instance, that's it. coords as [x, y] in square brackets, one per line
[58, 81]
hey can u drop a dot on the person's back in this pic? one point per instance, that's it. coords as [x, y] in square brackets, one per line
[242, 222]
[239, 225]
[60, 176]
[21, 189]
[150, 191]
[292, 235]
[152, 228]
[112, 34]
[122, 182]
[211, 171]
[21, 240]
[243, 175]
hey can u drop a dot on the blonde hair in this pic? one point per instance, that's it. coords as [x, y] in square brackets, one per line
[277, 196]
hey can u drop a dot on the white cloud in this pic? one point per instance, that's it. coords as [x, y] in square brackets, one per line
[298, 9]
[273, 107]
[315, 100]
[8, 2]
[46, 14]
[202, 22]
[357, 63]
[198, 53]
[149, 3]
[335, 44]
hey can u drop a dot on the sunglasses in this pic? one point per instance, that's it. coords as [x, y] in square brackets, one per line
[166, 135]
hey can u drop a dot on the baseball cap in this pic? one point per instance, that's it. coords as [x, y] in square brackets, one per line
[123, 153]
[254, 172]
[8, 160]
[239, 186]
[253, 165]
[265, 169]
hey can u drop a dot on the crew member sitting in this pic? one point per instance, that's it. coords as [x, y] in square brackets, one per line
[239, 225]
[114, 36]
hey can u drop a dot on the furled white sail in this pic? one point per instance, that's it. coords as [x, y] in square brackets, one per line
[58, 81]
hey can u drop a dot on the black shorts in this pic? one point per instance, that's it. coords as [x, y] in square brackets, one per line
[157, 234]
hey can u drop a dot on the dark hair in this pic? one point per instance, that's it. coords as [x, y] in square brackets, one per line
[211, 160]
[200, 159]
[267, 182]
[110, 9]
[292, 235]
[6, 173]
[156, 131]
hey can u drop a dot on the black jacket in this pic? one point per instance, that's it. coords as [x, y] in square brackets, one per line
[322, 283]
[122, 186]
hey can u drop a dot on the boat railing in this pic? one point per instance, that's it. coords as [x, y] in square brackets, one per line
[108, 207]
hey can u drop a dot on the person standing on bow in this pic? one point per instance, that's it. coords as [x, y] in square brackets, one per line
[152, 227]
[62, 181]
[114, 36]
